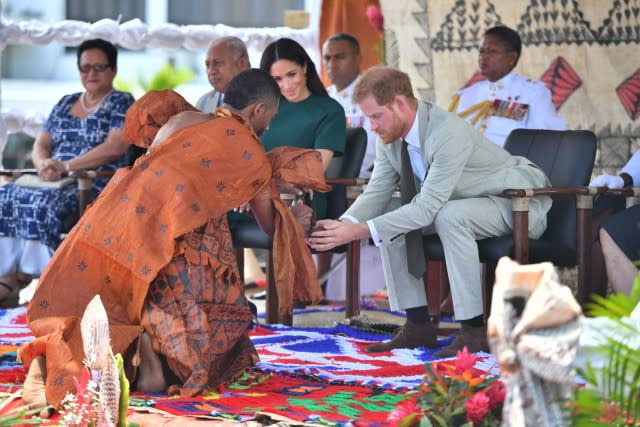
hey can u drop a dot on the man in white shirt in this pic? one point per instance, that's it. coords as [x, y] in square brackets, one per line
[505, 100]
[226, 57]
[342, 60]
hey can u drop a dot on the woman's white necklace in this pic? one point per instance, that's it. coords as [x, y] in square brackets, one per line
[94, 106]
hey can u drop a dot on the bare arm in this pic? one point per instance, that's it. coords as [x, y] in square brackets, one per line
[264, 213]
[50, 169]
[327, 155]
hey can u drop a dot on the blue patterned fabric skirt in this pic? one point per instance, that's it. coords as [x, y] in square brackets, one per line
[36, 213]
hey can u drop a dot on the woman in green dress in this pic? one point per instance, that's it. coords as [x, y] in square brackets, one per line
[307, 116]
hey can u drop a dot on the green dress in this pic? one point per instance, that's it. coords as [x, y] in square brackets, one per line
[317, 122]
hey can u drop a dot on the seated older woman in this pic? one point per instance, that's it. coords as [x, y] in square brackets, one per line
[84, 130]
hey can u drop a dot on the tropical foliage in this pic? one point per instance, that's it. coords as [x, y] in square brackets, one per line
[17, 416]
[167, 77]
[612, 393]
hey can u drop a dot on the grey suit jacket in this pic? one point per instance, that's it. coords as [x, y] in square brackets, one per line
[460, 164]
[208, 102]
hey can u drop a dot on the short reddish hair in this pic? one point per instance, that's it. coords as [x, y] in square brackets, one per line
[384, 84]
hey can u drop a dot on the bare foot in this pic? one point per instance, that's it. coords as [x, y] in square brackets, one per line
[150, 376]
[33, 390]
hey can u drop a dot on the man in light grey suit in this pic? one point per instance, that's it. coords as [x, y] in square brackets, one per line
[226, 57]
[458, 176]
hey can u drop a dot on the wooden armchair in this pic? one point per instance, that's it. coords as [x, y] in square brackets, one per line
[567, 158]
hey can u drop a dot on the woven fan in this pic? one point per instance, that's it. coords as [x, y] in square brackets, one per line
[94, 328]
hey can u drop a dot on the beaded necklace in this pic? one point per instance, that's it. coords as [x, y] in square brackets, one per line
[91, 109]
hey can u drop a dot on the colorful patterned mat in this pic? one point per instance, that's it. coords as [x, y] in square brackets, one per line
[338, 355]
[282, 397]
[310, 375]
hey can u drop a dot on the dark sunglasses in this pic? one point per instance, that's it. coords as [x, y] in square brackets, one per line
[98, 68]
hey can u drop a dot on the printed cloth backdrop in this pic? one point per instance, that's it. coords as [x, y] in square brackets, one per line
[586, 51]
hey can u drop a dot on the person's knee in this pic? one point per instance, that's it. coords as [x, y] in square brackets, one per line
[448, 220]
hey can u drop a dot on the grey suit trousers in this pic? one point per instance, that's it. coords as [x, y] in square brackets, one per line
[459, 224]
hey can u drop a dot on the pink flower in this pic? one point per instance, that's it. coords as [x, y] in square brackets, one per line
[376, 19]
[477, 407]
[496, 393]
[465, 361]
[408, 410]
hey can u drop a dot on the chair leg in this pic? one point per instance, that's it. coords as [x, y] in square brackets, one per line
[353, 280]
[271, 303]
[583, 245]
[433, 279]
[239, 252]
[488, 279]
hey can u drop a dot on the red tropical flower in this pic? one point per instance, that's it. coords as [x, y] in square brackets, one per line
[376, 19]
[477, 407]
[407, 411]
[465, 361]
[496, 393]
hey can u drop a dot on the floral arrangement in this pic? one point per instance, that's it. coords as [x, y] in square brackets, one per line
[453, 393]
[376, 19]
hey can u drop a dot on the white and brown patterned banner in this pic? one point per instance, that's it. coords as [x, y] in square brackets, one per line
[585, 51]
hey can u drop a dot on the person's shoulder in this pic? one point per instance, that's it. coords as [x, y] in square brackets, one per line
[69, 98]
[528, 82]
[208, 95]
[119, 96]
[474, 92]
[327, 103]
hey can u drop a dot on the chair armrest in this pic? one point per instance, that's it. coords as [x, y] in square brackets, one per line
[520, 206]
[553, 191]
[346, 181]
[584, 204]
[85, 184]
[17, 172]
[632, 194]
[354, 186]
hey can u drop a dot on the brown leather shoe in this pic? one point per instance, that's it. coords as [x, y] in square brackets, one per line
[410, 335]
[473, 337]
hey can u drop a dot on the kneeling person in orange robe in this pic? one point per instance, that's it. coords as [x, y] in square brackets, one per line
[156, 247]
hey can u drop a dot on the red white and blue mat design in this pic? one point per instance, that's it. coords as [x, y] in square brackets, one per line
[338, 355]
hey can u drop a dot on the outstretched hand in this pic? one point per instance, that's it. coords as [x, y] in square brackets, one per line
[330, 233]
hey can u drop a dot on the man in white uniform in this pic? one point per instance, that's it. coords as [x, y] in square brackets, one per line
[226, 57]
[505, 100]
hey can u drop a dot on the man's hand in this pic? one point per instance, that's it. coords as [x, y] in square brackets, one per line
[330, 233]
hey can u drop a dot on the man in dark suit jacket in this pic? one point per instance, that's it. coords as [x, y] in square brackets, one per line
[459, 176]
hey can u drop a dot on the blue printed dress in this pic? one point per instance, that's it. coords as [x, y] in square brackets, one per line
[36, 214]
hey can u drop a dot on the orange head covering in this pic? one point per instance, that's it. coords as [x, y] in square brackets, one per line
[149, 113]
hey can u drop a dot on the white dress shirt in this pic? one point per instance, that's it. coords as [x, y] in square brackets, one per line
[417, 165]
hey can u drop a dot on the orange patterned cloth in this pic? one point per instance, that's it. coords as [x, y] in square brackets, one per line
[143, 232]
